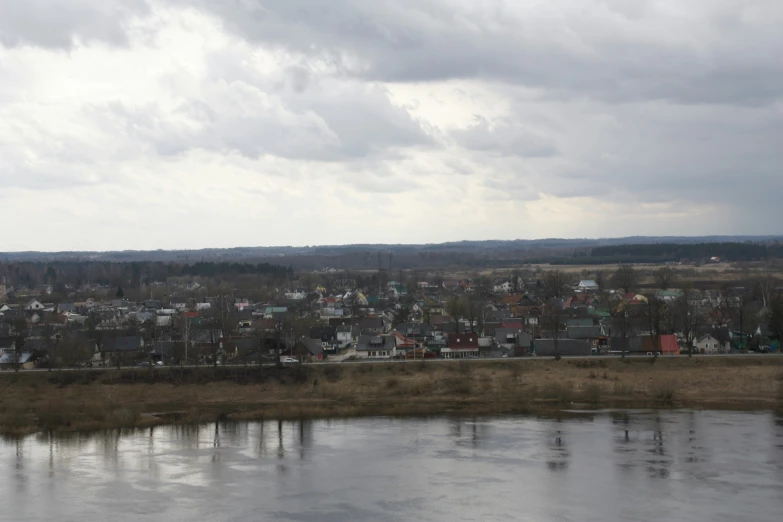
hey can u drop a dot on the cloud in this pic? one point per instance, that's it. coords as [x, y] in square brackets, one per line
[60, 24]
[506, 138]
[423, 120]
[704, 52]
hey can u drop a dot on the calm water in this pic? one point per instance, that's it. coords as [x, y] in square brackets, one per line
[676, 466]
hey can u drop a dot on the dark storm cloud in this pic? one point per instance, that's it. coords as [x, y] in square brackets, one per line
[694, 52]
[58, 24]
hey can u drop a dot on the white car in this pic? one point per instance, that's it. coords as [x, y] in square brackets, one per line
[289, 360]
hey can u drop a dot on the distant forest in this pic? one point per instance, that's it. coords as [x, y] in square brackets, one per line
[731, 252]
[453, 256]
[129, 275]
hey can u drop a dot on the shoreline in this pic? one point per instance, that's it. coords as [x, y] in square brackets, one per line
[69, 401]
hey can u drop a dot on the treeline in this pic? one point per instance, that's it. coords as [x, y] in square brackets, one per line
[129, 275]
[693, 252]
[207, 269]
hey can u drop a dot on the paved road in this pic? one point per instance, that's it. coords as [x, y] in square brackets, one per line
[409, 361]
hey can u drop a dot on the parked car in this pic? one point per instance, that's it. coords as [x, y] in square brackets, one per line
[290, 360]
[143, 364]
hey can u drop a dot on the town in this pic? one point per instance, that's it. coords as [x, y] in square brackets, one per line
[227, 316]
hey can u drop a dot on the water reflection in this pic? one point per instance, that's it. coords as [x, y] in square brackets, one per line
[469, 433]
[558, 448]
[632, 465]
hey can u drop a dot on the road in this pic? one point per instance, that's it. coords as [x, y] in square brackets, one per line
[408, 361]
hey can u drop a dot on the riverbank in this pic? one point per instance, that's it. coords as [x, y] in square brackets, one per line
[89, 399]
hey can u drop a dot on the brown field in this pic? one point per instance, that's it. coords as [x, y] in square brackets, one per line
[111, 399]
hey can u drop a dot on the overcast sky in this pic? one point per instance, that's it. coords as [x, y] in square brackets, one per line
[140, 124]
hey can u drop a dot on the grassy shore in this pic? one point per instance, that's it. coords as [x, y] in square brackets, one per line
[88, 400]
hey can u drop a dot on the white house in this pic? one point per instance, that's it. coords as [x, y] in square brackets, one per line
[297, 295]
[34, 304]
[346, 334]
[504, 287]
[708, 344]
[587, 285]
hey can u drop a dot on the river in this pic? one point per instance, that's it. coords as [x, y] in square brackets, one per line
[604, 466]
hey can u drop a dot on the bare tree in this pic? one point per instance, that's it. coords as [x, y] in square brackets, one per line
[622, 323]
[721, 312]
[600, 278]
[625, 277]
[766, 284]
[456, 308]
[473, 310]
[776, 316]
[483, 286]
[655, 314]
[741, 311]
[553, 318]
[688, 319]
[555, 283]
[20, 334]
[72, 351]
[401, 314]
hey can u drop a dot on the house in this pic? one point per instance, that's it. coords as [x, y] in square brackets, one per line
[450, 284]
[437, 321]
[575, 322]
[346, 334]
[178, 303]
[709, 344]
[645, 344]
[125, 344]
[361, 299]
[372, 326]
[264, 325]
[461, 345]
[398, 290]
[513, 339]
[669, 345]
[66, 307]
[325, 334]
[34, 305]
[403, 343]
[669, 295]
[296, 295]
[585, 332]
[375, 347]
[587, 285]
[242, 303]
[417, 331]
[270, 312]
[502, 287]
[26, 360]
[512, 322]
[546, 347]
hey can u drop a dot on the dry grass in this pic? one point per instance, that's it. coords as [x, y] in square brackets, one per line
[664, 391]
[91, 400]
